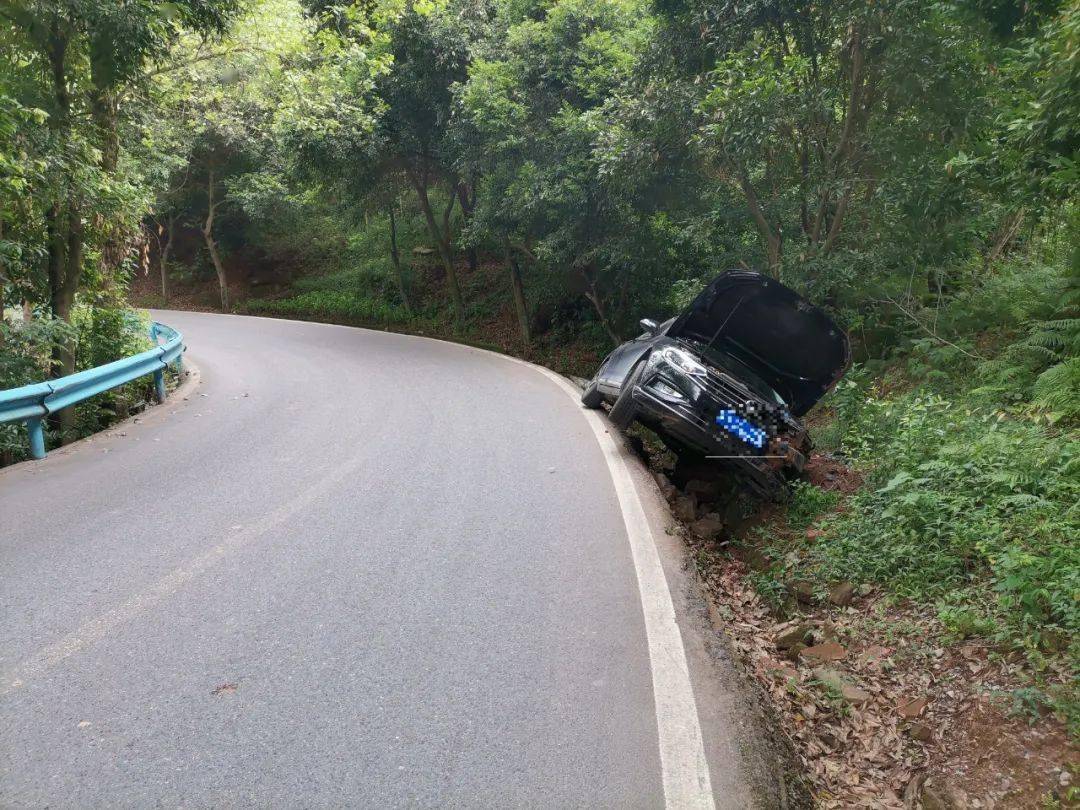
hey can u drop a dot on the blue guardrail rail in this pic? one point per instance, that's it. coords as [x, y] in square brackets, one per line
[34, 403]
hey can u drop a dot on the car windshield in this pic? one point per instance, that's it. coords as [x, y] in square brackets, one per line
[738, 369]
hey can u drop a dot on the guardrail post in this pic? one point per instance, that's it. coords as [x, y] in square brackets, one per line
[159, 385]
[36, 433]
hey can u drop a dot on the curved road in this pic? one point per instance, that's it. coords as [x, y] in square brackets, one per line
[352, 568]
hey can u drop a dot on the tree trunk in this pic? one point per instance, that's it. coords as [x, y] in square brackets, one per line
[63, 224]
[63, 219]
[1003, 236]
[211, 245]
[843, 160]
[442, 243]
[771, 237]
[105, 113]
[164, 249]
[65, 266]
[395, 257]
[838, 218]
[468, 204]
[65, 231]
[598, 305]
[518, 291]
[104, 110]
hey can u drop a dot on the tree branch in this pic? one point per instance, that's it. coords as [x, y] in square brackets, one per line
[446, 214]
[772, 238]
[838, 218]
[928, 330]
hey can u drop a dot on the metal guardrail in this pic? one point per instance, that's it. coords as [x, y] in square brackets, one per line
[33, 403]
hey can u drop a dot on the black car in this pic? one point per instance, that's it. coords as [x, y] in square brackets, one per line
[729, 378]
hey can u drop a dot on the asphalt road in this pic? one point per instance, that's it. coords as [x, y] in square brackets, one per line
[350, 568]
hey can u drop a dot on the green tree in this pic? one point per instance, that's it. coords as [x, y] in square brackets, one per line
[75, 61]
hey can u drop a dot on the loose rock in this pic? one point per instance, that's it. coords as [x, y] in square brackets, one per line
[686, 508]
[848, 691]
[841, 594]
[854, 695]
[827, 651]
[708, 528]
[937, 794]
[873, 656]
[793, 652]
[792, 636]
[913, 708]
[802, 591]
[920, 732]
[667, 489]
[829, 677]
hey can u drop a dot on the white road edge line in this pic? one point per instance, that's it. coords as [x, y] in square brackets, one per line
[682, 748]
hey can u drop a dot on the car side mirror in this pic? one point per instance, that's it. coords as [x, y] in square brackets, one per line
[650, 326]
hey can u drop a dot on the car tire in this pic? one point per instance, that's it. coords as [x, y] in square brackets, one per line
[624, 411]
[591, 397]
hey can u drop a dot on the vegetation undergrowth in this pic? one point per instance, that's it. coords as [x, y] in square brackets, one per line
[971, 499]
[358, 289]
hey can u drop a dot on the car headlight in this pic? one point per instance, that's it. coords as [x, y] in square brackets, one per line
[666, 390]
[678, 359]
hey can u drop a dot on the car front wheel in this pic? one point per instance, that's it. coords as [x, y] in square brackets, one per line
[591, 396]
[624, 411]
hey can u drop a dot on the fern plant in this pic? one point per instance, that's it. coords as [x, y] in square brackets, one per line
[1058, 388]
[1044, 367]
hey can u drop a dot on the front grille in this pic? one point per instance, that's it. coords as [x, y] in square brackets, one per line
[724, 393]
[720, 392]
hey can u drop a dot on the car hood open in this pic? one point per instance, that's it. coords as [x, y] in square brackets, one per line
[787, 341]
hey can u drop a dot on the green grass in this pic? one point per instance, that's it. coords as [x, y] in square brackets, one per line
[807, 503]
[331, 305]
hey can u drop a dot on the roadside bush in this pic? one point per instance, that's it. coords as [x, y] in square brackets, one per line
[101, 334]
[954, 494]
[807, 503]
[331, 305]
[974, 509]
[26, 349]
[25, 357]
[107, 332]
[967, 440]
